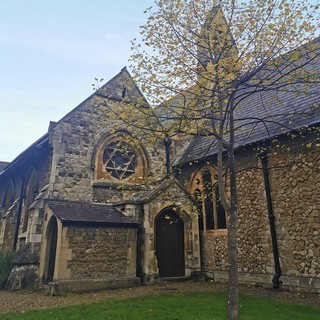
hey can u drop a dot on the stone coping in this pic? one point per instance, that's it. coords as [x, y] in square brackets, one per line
[87, 285]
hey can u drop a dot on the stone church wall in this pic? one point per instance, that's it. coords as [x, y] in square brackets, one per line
[40, 163]
[7, 227]
[216, 254]
[295, 190]
[102, 252]
[254, 240]
[75, 140]
[254, 244]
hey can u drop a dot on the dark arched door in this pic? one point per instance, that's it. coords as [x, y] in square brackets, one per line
[51, 250]
[170, 244]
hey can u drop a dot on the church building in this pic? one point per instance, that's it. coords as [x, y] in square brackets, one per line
[89, 207]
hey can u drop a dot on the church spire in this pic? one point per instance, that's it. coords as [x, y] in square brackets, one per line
[215, 40]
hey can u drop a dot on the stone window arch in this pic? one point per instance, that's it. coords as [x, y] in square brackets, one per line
[204, 188]
[198, 197]
[31, 191]
[121, 159]
[8, 196]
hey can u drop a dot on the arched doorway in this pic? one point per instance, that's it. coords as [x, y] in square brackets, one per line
[170, 244]
[52, 236]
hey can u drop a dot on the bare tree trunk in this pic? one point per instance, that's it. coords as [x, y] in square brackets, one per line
[233, 304]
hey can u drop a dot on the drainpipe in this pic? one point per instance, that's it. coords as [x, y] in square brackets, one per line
[16, 231]
[139, 263]
[167, 143]
[275, 280]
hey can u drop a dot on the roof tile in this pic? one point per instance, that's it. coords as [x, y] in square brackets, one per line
[84, 212]
[268, 113]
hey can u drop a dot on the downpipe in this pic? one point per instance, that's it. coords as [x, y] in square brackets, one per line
[276, 277]
[167, 143]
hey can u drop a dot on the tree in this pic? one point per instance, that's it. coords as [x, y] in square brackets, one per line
[198, 60]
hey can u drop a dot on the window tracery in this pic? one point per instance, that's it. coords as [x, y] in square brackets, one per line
[119, 159]
[205, 190]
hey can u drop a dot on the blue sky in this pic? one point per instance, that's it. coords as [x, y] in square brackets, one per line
[50, 53]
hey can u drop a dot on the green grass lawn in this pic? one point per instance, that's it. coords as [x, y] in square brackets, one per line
[174, 306]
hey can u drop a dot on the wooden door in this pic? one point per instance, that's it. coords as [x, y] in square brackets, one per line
[170, 244]
[51, 250]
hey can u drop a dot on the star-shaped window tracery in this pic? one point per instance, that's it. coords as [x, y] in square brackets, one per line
[119, 160]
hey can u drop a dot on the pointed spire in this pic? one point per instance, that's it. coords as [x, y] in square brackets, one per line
[215, 41]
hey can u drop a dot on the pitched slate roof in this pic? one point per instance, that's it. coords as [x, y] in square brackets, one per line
[70, 212]
[24, 156]
[3, 164]
[268, 113]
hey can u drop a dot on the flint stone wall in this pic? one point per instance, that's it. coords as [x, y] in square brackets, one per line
[254, 241]
[295, 190]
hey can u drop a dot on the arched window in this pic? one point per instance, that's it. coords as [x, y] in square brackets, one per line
[120, 159]
[208, 199]
[198, 198]
[30, 194]
[204, 187]
[220, 212]
[8, 196]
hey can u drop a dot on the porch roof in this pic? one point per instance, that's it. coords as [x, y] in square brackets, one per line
[73, 212]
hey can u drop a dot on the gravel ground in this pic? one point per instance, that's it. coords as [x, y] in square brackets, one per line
[31, 300]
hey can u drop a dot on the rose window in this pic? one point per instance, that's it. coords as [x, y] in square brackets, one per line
[119, 160]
